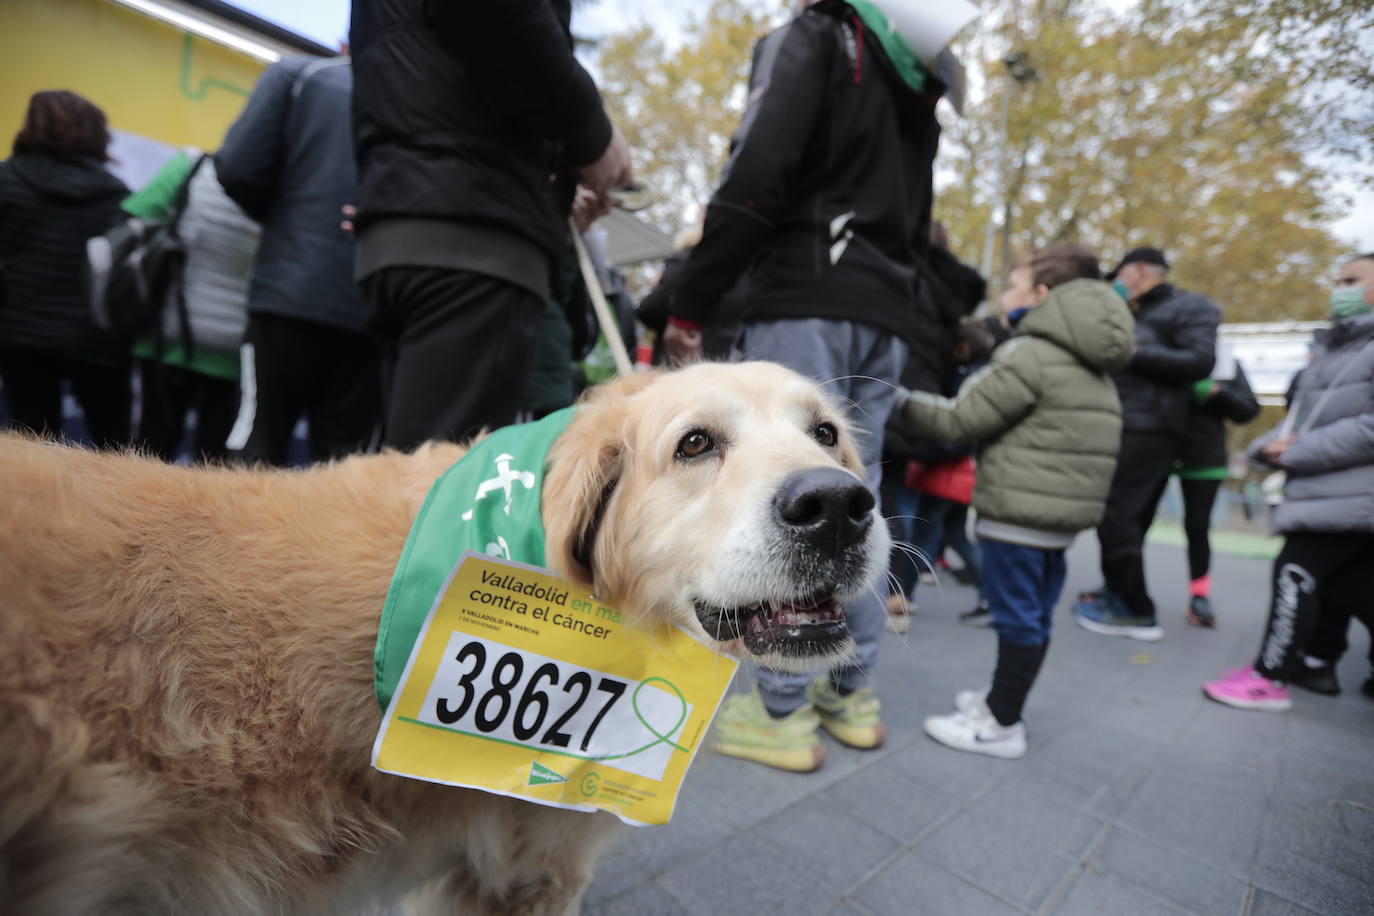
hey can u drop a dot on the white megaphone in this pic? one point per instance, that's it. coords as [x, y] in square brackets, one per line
[927, 25]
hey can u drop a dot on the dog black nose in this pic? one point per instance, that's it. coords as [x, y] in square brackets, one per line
[828, 507]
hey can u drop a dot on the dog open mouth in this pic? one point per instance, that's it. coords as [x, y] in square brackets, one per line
[810, 626]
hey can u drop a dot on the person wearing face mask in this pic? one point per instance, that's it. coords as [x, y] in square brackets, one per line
[1175, 347]
[1325, 571]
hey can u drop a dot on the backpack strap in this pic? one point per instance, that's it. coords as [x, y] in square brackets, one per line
[179, 204]
[183, 195]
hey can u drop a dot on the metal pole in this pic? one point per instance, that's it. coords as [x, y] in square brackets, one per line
[990, 232]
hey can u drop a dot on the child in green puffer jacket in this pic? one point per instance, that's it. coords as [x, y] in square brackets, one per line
[1046, 414]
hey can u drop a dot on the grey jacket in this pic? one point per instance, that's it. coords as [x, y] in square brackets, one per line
[1046, 415]
[288, 162]
[1330, 465]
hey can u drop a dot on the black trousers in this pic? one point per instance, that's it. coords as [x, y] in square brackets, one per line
[33, 388]
[1314, 574]
[294, 369]
[459, 351]
[1198, 498]
[169, 394]
[1142, 470]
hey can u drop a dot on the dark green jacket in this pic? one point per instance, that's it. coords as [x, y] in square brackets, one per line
[1046, 415]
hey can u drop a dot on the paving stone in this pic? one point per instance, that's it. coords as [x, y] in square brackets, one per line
[1284, 867]
[641, 853]
[892, 800]
[1012, 842]
[1164, 873]
[1200, 808]
[1095, 894]
[1092, 765]
[915, 885]
[956, 773]
[643, 900]
[1337, 833]
[800, 860]
[1266, 904]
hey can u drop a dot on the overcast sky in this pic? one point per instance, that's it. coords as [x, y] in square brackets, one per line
[326, 21]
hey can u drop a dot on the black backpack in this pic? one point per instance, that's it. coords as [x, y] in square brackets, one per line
[135, 269]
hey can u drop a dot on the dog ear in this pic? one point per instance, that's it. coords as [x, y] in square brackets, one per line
[585, 464]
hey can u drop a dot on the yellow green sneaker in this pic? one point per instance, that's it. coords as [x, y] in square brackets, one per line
[852, 719]
[745, 729]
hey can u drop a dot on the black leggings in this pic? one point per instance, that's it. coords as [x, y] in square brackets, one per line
[1198, 498]
[1313, 572]
[33, 387]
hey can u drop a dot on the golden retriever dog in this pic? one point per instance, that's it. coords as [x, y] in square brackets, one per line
[186, 696]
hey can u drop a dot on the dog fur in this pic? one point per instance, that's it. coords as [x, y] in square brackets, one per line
[186, 697]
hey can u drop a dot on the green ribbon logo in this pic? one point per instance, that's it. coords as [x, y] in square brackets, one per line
[660, 737]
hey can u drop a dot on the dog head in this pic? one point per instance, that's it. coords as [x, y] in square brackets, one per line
[729, 499]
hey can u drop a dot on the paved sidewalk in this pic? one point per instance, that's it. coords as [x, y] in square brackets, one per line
[1138, 795]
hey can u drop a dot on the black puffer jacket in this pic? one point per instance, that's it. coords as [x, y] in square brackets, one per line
[1175, 346]
[462, 111]
[1204, 441]
[955, 290]
[50, 204]
[826, 198]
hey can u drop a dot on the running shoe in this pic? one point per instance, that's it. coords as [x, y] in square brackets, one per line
[898, 613]
[978, 616]
[1245, 689]
[977, 732]
[1107, 616]
[852, 718]
[745, 729]
[1321, 679]
[1200, 612]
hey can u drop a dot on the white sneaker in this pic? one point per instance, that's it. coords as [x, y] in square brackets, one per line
[978, 734]
[972, 701]
[899, 610]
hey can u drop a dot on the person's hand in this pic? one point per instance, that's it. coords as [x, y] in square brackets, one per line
[350, 213]
[1272, 452]
[588, 207]
[683, 346]
[612, 170]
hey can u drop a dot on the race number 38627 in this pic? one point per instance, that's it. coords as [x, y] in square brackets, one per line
[485, 689]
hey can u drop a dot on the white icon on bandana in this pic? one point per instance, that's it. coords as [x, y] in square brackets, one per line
[505, 481]
[500, 549]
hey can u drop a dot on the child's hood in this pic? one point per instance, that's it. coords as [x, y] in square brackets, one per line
[1087, 318]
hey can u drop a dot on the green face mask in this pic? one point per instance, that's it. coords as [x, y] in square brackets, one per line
[1348, 302]
[1121, 290]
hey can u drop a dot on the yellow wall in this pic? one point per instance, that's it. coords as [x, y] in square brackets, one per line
[149, 77]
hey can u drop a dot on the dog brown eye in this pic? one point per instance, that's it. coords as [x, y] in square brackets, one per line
[695, 444]
[827, 435]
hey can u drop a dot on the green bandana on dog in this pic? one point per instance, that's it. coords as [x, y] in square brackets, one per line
[489, 502]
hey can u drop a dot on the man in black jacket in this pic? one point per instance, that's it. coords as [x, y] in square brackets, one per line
[1175, 346]
[824, 207]
[473, 124]
[287, 162]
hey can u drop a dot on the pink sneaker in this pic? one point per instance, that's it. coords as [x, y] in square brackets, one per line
[1246, 689]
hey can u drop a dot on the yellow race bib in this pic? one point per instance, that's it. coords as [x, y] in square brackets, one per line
[520, 686]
